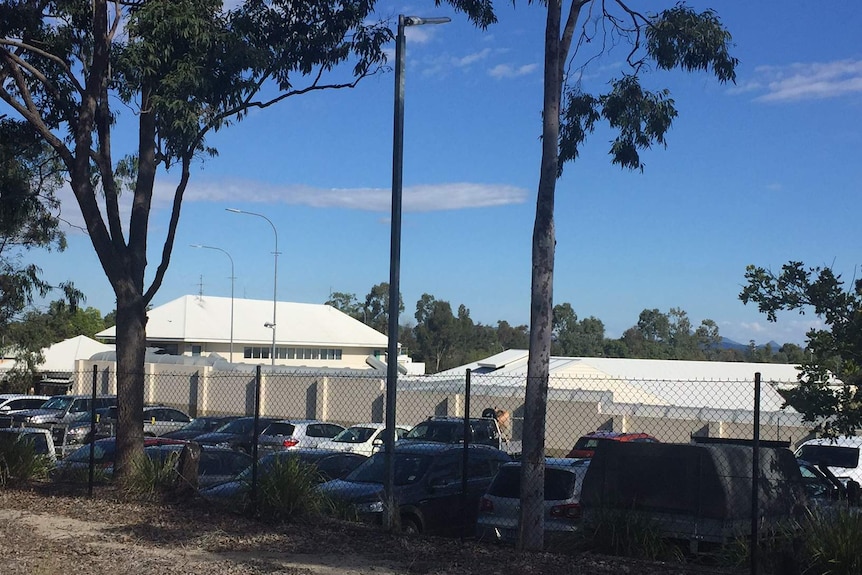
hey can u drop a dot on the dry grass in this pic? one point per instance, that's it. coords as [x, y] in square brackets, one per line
[52, 530]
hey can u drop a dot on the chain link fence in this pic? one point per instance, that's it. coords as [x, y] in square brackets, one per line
[696, 458]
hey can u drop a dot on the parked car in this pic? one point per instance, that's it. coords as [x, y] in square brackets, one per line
[104, 454]
[365, 439]
[483, 431]
[329, 464]
[428, 486]
[216, 464]
[158, 420]
[61, 409]
[586, 445]
[700, 493]
[43, 443]
[499, 508]
[839, 454]
[294, 433]
[199, 426]
[235, 434]
[20, 401]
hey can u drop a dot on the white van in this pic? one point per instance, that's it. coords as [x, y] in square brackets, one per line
[839, 454]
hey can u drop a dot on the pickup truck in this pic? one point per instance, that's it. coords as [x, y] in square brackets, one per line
[484, 431]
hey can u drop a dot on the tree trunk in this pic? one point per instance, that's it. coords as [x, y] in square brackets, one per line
[131, 348]
[532, 522]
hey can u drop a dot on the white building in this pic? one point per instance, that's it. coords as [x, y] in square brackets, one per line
[307, 335]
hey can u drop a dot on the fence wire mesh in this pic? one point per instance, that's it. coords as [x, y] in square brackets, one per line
[677, 455]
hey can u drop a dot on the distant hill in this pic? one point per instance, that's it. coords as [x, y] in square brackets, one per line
[730, 344]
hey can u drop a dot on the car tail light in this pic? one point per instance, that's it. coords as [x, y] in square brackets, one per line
[290, 442]
[486, 505]
[567, 511]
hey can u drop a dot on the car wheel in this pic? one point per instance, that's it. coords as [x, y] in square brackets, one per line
[410, 526]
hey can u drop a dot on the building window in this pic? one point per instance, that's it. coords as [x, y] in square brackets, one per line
[196, 349]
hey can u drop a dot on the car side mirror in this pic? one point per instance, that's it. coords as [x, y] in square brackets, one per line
[377, 442]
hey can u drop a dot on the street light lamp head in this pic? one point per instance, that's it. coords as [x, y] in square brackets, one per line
[269, 324]
[234, 210]
[417, 21]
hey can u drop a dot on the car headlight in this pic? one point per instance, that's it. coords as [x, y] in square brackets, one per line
[371, 507]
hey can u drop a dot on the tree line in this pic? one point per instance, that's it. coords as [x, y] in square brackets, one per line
[443, 338]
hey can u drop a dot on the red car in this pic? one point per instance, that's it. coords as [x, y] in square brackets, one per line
[586, 445]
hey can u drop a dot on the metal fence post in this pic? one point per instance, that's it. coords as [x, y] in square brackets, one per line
[257, 378]
[755, 477]
[466, 456]
[92, 462]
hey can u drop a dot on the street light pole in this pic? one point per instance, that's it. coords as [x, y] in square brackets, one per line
[395, 263]
[232, 279]
[274, 276]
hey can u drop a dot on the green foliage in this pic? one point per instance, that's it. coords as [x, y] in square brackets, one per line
[833, 353]
[823, 542]
[573, 338]
[630, 535]
[150, 479]
[29, 175]
[288, 492]
[675, 38]
[19, 462]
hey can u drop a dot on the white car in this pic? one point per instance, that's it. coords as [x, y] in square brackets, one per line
[840, 454]
[364, 439]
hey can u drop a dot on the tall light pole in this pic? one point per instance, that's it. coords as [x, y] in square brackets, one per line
[395, 261]
[274, 276]
[232, 279]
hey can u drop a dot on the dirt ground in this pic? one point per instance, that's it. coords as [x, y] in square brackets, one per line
[46, 533]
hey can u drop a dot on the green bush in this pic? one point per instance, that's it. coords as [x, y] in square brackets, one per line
[824, 542]
[151, 479]
[20, 463]
[630, 535]
[288, 492]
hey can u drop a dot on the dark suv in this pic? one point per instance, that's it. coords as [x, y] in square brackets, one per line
[483, 431]
[427, 489]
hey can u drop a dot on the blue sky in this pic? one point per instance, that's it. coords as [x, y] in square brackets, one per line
[758, 173]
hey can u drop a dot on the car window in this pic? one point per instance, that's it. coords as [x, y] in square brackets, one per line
[238, 426]
[559, 483]
[399, 433]
[279, 429]
[80, 405]
[174, 415]
[830, 455]
[24, 403]
[316, 430]
[446, 469]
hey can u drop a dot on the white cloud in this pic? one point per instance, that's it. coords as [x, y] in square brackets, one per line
[509, 71]
[422, 198]
[805, 81]
[471, 58]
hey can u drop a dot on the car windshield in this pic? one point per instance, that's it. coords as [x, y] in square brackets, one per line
[589, 442]
[829, 455]
[356, 434]
[59, 403]
[237, 426]
[409, 468]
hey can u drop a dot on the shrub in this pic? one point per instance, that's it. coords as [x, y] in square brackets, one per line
[150, 479]
[628, 534]
[20, 463]
[288, 491]
[831, 541]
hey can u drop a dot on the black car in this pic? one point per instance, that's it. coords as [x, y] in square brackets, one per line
[216, 465]
[427, 486]
[483, 430]
[236, 434]
[199, 426]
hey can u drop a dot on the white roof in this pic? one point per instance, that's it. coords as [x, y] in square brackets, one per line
[208, 319]
[62, 356]
[689, 384]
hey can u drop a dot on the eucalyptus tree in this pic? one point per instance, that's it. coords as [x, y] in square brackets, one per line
[677, 37]
[177, 70]
[829, 393]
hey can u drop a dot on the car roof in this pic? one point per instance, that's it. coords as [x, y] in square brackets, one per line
[559, 462]
[614, 434]
[415, 446]
[4, 396]
[843, 441]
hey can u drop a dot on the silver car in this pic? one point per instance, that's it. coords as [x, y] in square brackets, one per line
[499, 508]
[295, 433]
